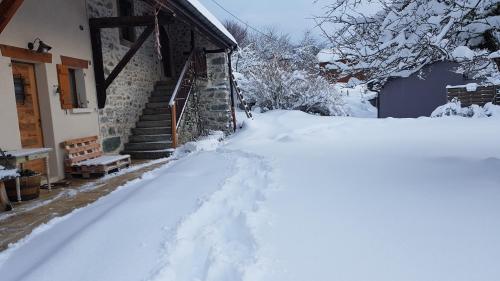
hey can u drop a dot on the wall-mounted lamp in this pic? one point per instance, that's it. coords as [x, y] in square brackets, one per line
[42, 47]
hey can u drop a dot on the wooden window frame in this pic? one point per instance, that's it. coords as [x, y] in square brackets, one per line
[66, 93]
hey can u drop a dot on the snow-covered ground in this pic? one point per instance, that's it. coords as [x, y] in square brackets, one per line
[293, 197]
[357, 101]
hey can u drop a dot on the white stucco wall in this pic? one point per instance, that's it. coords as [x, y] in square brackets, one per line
[9, 127]
[58, 23]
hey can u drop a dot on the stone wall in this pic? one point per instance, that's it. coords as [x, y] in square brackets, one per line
[190, 126]
[128, 94]
[180, 38]
[215, 96]
[179, 34]
[209, 105]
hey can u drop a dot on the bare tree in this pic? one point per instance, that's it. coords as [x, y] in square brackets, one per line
[239, 32]
[275, 73]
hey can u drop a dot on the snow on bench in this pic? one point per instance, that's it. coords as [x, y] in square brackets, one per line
[85, 158]
[103, 160]
[6, 174]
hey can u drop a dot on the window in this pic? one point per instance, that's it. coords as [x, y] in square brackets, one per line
[126, 9]
[75, 101]
[19, 89]
[72, 89]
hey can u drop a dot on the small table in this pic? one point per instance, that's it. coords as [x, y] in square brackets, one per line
[18, 157]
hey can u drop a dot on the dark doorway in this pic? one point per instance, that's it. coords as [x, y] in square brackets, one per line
[166, 53]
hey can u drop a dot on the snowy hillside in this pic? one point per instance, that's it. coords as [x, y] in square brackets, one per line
[293, 197]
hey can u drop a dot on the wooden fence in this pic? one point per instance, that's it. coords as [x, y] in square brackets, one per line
[481, 96]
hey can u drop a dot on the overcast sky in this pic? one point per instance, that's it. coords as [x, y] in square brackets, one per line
[290, 16]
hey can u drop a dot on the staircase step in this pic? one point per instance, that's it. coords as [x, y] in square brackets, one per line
[153, 111]
[152, 124]
[164, 82]
[152, 131]
[164, 90]
[147, 146]
[156, 117]
[159, 99]
[162, 93]
[157, 105]
[150, 138]
[153, 154]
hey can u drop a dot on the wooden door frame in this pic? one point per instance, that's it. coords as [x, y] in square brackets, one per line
[37, 101]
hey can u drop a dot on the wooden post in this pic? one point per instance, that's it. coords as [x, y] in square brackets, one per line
[231, 86]
[100, 80]
[128, 56]
[4, 199]
[174, 125]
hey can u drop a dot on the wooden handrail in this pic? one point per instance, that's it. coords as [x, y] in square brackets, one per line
[174, 125]
[181, 79]
[185, 83]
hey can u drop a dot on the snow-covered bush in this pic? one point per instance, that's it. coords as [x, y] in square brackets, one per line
[454, 108]
[273, 74]
[408, 34]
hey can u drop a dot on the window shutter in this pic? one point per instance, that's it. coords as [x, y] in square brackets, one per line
[64, 87]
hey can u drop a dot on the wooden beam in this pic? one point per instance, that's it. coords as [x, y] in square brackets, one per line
[129, 55]
[182, 13]
[74, 62]
[116, 22]
[25, 54]
[8, 9]
[100, 81]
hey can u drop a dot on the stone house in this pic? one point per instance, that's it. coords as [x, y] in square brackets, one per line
[143, 75]
[333, 64]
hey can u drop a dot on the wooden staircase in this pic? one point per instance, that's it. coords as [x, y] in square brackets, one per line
[152, 136]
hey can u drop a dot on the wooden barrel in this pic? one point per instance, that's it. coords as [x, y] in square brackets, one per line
[30, 188]
[4, 200]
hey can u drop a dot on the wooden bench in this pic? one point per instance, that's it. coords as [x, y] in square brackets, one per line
[84, 158]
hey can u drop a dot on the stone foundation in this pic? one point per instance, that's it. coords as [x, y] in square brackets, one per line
[215, 96]
[190, 127]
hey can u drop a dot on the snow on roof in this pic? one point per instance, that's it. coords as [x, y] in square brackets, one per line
[327, 55]
[463, 53]
[494, 55]
[211, 18]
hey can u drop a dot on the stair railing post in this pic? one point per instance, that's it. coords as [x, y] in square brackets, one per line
[174, 124]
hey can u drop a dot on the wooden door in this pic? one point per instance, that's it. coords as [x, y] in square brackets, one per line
[28, 111]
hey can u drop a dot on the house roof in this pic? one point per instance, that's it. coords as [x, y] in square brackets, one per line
[203, 18]
[211, 19]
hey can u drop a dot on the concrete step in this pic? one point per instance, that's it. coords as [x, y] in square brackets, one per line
[163, 90]
[146, 146]
[165, 82]
[156, 117]
[150, 138]
[154, 111]
[162, 93]
[157, 105]
[152, 124]
[151, 131]
[159, 99]
[153, 154]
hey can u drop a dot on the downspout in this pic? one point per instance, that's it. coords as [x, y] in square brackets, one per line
[231, 82]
